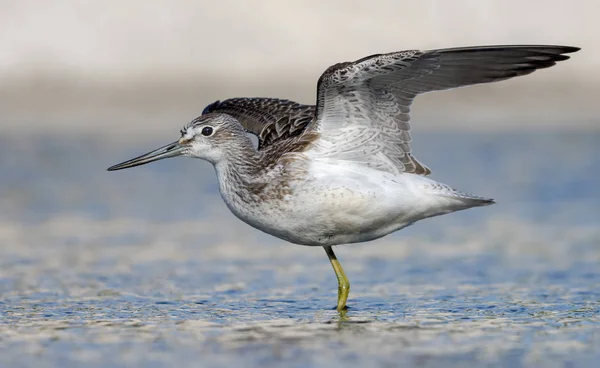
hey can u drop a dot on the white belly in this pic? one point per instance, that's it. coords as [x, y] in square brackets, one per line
[339, 205]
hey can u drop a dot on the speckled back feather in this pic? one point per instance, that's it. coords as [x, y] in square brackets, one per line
[363, 107]
[270, 119]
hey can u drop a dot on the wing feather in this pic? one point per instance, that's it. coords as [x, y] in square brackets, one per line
[369, 100]
[270, 119]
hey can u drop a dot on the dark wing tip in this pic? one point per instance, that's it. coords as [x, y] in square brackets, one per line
[555, 53]
[552, 49]
[567, 49]
[536, 54]
[484, 64]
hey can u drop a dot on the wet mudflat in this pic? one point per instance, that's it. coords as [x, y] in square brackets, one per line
[146, 267]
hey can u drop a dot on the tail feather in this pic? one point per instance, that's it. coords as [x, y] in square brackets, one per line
[466, 199]
[472, 200]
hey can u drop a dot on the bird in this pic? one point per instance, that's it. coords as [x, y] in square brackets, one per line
[342, 171]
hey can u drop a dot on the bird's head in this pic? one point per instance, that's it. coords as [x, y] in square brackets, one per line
[211, 137]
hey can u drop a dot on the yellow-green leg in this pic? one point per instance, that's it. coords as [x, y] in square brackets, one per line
[343, 283]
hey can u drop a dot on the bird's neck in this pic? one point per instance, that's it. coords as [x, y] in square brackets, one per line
[240, 175]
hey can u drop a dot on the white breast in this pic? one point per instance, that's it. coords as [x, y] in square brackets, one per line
[339, 204]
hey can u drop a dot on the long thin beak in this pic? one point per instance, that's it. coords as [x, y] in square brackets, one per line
[170, 150]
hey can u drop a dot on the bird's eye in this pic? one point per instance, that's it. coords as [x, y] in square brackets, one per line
[207, 131]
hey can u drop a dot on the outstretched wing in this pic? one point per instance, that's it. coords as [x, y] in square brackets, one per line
[363, 106]
[270, 119]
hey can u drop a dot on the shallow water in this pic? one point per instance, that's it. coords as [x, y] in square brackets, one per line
[146, 267]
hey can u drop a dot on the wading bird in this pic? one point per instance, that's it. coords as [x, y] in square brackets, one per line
[342, 171]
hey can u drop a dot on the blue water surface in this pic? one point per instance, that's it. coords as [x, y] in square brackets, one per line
[146, 267]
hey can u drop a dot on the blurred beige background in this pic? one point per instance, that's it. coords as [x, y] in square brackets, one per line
[95, 66]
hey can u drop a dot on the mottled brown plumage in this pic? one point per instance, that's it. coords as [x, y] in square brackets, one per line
[363, 107]
[270, 119]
